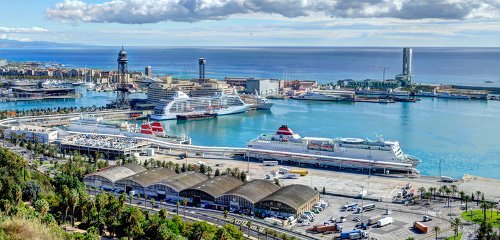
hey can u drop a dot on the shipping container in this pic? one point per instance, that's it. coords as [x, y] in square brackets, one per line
[385, 221]
[420, 226]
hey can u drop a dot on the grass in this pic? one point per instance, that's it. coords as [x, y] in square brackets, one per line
[477, 217]
[455, 238]
[23, 229]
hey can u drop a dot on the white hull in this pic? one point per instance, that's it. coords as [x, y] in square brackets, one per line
[219, 112]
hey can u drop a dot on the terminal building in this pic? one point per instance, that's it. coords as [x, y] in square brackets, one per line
[170, 188]
[291, 200]
[207, 191]
[140, 182]
[32, 133]
[245, 197]
[264, 87]
[106, 178]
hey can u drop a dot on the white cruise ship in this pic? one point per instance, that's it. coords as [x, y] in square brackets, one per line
[182, 104]
[351, 152]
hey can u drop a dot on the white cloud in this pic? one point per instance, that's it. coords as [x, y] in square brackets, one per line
[22, 30]
[153, 11]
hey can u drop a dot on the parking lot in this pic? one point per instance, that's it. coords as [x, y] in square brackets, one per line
[400, 229]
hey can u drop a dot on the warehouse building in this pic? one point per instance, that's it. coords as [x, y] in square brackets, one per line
[106, 178]
[207, 191]
[244, 197]
[169, 188]
[291, 200]
[140, 182]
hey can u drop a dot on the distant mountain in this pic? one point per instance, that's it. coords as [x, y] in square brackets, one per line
[8, 43]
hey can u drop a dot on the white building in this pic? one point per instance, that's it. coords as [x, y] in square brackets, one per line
[263, 87]
[32, 133]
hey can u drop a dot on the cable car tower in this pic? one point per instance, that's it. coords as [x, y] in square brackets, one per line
[122, 101]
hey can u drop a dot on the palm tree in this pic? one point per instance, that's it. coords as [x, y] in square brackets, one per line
[73, 202]
[456, 224]
[477, 200]
[249, 225]
[422, 191]
[184, 203]
[178, 204]
[436, 229]
[462, 195]
[226, 213]
[448, 194]
[466, 200]
[454, 189]
[433, 191]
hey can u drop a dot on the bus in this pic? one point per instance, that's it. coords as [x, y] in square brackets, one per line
[365, 208]
[270, 163]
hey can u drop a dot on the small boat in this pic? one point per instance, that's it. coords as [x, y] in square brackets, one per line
[404, 99]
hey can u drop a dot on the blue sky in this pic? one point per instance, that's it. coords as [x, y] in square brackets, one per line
[474, 23]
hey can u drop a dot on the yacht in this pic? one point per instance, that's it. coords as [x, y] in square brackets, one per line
[324, 96]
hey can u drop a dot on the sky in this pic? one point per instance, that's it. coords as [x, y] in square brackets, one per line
[414, 23]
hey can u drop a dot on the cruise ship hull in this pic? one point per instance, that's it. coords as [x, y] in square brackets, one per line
[219, 112]
[287, 146]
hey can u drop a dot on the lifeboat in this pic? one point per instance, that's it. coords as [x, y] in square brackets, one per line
[157, 128]
[146, 129]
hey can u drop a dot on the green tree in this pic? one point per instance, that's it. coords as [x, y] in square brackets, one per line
[42, 206]
[217, 172]
[131, 222]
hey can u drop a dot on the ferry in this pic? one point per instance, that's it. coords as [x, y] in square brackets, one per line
[182, 104]
[97, 125]
[349, 152]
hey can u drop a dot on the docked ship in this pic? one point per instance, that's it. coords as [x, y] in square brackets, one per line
[324, 96]
[342, 152]
[98, 125]
[181, 104]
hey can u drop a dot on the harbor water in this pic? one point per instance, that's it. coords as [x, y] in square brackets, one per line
[461, 136]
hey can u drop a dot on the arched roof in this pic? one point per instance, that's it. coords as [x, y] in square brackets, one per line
[254, 190]
[217, 186]
[118, 172]
[183, 180]
[294, 195]
[149, 177]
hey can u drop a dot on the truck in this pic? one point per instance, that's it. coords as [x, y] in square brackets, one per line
[283, 170]
[323, 228]
[420, 226]
[385, 221]
[292, 176]
[365, 208]
[274, 221]
[349, 207]
[446, 179]
[374, 220]
[302, 172]
[354, 234]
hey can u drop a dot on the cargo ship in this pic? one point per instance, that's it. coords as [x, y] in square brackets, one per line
[348, 152]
